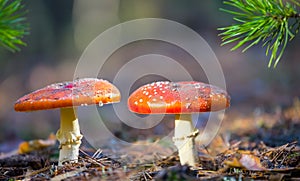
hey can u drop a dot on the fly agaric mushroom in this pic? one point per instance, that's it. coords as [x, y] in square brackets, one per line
[181, 99]
[67, 96]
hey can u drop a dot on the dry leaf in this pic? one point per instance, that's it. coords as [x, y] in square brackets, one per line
[251, 162]
[247, 161]
[29, 146]
[233, 163]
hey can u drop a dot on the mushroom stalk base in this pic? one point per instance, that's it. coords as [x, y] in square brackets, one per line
[184, 139]
[68, 136]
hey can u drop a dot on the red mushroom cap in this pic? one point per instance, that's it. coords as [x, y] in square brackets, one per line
[67, 94]
[178, 98]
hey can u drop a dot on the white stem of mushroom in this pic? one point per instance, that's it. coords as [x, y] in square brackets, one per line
[183, 140]
[68, 136]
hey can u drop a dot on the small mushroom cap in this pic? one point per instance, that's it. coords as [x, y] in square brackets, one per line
[178, 98]
[79, 92]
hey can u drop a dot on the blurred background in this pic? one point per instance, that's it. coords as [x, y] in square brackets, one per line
[61, 30]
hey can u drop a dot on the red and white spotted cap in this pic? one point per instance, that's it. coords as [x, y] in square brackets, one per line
[166, 97]
[79, 92]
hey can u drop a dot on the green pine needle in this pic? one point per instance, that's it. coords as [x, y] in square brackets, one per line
[272, 22]
[12, 24]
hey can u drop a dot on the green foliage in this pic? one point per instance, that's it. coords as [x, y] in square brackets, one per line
[272, 22]
[12, 24]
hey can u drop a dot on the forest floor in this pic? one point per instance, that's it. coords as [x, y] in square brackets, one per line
[257, 146]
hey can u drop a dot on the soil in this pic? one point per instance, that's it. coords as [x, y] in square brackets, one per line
[257, 146]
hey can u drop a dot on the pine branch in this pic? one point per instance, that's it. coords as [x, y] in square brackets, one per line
[12, 24]
[271, 22]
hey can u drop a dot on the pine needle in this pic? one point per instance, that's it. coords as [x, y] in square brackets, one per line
[12, 24]
[272, 22]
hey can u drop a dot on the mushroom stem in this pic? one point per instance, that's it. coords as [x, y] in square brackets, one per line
[184, 139]
[68, 136]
